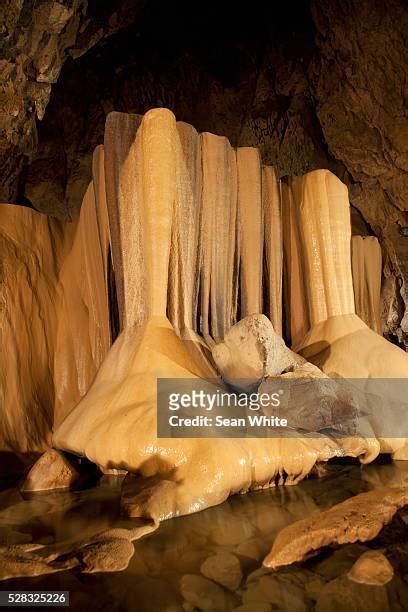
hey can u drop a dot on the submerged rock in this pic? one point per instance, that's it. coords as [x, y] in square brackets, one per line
[341, 594]
[371, 568]
[223, 568]
[203, 593]
[359, 518]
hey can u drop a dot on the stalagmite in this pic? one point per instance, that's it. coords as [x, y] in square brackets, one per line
[251, 229]
[218, 241]
[271, 203]
[338, 341]
[367, 264]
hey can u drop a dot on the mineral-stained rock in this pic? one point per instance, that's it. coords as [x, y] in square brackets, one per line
[359, 518]
[223, 568]
[51, 471]
[272, 209]
[204, 594]
[371, 568]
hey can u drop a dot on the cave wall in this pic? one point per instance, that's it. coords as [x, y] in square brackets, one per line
[313, 84]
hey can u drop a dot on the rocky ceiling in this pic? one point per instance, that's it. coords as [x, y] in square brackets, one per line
[312, 83]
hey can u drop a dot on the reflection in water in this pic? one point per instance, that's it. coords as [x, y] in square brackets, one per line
[244, 525]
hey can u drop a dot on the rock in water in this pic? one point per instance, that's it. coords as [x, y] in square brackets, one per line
[223, 568]
[359, 518]
[203, 593]
[371, 568]
[51, 471]
[342, 594]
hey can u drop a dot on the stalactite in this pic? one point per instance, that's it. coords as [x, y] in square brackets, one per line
[251, 229]
[218, 236]
[272, 208]
[123, 172]
[184, 254]
[367, 265]
[296, 311]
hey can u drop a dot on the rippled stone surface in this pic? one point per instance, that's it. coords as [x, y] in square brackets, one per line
[159, 573]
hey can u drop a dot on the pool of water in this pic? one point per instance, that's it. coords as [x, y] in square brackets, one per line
[244, 525]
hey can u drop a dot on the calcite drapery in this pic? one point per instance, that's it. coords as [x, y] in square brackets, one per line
[115, 423]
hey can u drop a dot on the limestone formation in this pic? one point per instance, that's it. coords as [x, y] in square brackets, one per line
[321, 209]
[177, 476]
[218, 246]
[272, 209]
[358, 519]
[250, 229]
[51, 471]
[186, 232]
[109, 551]
[371, 568]
[338, 341]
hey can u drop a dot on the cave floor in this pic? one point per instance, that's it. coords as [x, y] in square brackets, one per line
[245, 525]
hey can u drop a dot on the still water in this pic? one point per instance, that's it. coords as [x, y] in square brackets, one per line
[244, 526]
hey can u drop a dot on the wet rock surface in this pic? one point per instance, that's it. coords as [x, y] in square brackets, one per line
[359, 518]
